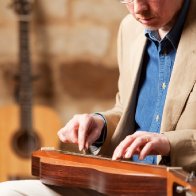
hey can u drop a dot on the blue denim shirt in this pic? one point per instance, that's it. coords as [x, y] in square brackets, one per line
[156, 71]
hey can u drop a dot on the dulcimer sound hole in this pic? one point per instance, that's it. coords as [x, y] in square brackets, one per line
[24, 143]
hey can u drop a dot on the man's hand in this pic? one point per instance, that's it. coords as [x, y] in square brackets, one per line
[142, 143]
[82, 129]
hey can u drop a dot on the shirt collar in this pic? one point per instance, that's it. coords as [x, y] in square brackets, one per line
[174, 34]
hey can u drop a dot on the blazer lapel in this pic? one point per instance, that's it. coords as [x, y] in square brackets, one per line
[131, 76]
[183, 76]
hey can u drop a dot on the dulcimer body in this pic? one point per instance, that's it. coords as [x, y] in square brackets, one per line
[54, 167]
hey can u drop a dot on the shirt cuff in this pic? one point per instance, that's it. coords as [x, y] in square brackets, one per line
[96, 146]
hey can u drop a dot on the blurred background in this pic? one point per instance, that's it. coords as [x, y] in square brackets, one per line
[72, 52]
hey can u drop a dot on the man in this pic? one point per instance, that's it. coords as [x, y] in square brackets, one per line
[154, 116]
[155, 111]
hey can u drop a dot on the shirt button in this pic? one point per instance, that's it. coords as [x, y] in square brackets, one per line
[157, 118]
[164, 86]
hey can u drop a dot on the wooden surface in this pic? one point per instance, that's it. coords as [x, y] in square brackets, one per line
[104, 175]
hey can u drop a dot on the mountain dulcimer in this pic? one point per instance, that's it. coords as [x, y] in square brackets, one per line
[65, 169]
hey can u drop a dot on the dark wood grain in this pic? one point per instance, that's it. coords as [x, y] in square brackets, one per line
[107, 183]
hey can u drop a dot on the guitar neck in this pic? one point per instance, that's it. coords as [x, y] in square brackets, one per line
[25, 94]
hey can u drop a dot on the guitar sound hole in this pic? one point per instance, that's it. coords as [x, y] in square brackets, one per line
[25, 143]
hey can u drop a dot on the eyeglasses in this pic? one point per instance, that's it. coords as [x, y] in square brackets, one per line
[131, 1]
[126, 1]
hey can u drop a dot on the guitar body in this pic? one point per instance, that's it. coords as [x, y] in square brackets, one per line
[46, 123]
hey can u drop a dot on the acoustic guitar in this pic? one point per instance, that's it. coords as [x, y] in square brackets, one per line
[24, 127]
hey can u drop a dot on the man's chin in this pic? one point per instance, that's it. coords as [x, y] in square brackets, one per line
[151, 28]
[149, 24]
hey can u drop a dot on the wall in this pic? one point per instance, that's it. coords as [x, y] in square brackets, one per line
[72, 50]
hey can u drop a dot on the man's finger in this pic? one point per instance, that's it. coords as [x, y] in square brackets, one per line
[85, 123]
[138, 143]
[121, 149]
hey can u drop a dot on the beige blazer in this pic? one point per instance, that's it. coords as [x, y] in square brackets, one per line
[179, 114]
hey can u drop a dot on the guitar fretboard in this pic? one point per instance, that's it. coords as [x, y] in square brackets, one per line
[25, 95]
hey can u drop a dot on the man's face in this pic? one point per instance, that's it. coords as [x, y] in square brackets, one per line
[155, 14]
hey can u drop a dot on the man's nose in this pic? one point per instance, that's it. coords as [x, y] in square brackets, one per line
[140, 6]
